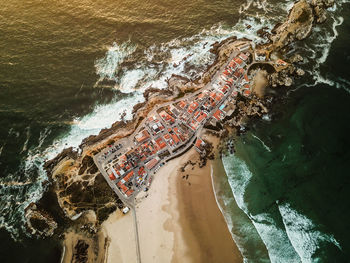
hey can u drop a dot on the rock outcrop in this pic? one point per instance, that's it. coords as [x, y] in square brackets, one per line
[320, 7]
[297, 27]
[39, 222]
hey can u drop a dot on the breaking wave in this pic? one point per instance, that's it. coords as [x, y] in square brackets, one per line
[107, 67]
[185, 56]
[274, 238]
[303, 233]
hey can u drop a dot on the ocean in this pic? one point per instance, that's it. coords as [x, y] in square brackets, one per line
[70, 68]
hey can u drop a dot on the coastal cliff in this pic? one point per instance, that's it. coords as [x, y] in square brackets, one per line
[82, 192]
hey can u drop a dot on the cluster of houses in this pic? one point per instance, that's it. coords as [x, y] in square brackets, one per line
[170, 128]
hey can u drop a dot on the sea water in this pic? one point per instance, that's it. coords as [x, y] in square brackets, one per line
[71, 68]
[289, 174]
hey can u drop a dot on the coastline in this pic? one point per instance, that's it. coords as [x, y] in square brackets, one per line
[185, 194]
[204, 229]
[174, 224]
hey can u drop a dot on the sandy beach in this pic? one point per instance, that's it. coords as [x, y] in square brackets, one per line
[178, 220]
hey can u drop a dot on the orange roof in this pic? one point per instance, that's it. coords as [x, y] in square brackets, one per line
[151, 164]
[182, 104]
[194, 105]
[112, 177]
[201, 96]
[238, 60]
[128, 193]
[142, 136]
[219, 97]
[128, 177]
[198, 143]
[247, 92]
[201, 117]
[217, 114]
[175, 138]
[124, 188]
[160, 143]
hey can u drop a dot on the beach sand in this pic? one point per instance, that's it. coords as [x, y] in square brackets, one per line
[119, 230]
[178, 220]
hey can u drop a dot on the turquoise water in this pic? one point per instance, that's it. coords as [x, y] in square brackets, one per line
[289, 174]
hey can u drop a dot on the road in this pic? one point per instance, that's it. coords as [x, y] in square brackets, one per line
[128, 143]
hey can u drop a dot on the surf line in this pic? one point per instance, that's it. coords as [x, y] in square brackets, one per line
[265, 146]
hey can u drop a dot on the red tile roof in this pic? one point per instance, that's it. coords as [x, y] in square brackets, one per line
[198, 143]
[175, 138]
[201, 117]
[217, 114]
[128, 176]
[112, 177]
[151, 164]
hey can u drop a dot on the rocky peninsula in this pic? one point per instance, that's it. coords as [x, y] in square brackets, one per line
[81, 192]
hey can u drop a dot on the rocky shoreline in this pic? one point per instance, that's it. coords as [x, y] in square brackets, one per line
[84, 197]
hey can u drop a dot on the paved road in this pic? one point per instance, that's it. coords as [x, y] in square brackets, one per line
[129, 143]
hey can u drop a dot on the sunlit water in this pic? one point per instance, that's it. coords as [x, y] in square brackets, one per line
[70, 68]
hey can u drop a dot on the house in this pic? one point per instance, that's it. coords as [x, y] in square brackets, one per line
[152, 163]
[142, 136]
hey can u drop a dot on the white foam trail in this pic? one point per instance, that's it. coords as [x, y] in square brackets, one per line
[266, 117]
[25, 145]
[265, 146]
[303, 233]
[320, 49]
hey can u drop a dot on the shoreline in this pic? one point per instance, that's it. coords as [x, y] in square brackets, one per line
[168, 216]
[209, 240]
[81, 163]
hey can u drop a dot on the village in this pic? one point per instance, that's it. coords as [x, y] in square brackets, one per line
[172, 128]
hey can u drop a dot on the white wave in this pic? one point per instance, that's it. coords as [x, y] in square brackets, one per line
[274, 238]
[239, 178]
[319, 48]
[303, 233]
[107, 67]
[130, 79]
[260, 4]
[103, 116]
